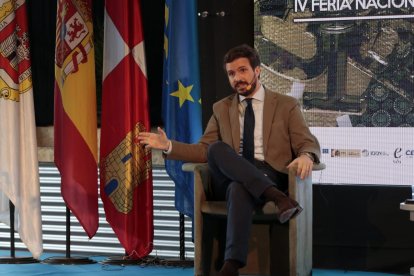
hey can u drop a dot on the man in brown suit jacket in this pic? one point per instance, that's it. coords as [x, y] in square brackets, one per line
[251, 140]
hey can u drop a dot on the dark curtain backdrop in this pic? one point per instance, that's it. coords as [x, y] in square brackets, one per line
[42, 25]
[221, 26]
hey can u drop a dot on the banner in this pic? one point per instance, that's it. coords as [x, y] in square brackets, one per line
[125, 165]
[383, 156]
[181, 103]
[75, 119]
[350, 65]
[19, 172]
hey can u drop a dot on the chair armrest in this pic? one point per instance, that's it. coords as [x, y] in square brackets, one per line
[318, 167]
[202, 181]
[191, 167]
[300, 228]
[301, 189]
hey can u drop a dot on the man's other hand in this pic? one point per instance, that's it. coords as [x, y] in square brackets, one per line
[304, 163]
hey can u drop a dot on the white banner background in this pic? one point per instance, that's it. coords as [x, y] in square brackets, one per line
[356, 155]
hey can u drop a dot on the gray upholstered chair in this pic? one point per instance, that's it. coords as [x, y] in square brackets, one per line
[274, 248]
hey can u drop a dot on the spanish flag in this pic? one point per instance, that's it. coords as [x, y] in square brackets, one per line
[125, 165]
[75, 111]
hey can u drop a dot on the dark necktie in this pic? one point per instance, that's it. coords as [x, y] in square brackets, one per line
[248, 132]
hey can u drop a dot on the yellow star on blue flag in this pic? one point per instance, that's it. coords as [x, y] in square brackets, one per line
[183, 93]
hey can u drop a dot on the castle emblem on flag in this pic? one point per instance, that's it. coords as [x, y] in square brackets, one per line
[126, 167]
[15, 71]
[76, 41]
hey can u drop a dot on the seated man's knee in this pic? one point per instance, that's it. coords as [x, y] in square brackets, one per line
[236, 190]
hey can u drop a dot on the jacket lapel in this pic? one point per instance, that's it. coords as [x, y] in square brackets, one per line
[234, 122]
[268, 113]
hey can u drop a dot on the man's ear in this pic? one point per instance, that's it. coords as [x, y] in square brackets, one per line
[257, 70]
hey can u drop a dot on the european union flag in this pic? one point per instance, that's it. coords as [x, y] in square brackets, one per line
[181, 92]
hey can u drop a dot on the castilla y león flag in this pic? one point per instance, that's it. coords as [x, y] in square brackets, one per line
[19, 176]
[75, 111]
[125, 165]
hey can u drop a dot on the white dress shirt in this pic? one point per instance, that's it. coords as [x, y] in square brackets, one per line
[257, 103]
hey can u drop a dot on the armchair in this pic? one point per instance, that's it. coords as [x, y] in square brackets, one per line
[274, 248]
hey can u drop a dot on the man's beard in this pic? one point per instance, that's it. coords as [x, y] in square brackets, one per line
[249, 91]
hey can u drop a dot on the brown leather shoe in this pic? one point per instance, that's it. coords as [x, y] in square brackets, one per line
[288, 208]
[290, 213]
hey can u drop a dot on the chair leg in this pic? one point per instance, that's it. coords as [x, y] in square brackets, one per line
[207, 248]
[279, 249]
[220, 238]
[214, 242]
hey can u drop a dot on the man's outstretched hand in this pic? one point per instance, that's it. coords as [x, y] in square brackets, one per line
[154, 140]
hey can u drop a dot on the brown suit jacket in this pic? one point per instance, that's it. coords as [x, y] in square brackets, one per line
[285, 132]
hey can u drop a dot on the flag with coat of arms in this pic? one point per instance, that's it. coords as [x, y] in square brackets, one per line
[75, 121]
[125, 165]
[19, 172]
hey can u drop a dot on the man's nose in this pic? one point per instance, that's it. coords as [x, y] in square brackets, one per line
[237, 77]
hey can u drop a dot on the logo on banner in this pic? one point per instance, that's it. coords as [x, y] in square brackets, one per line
[346, 153]
[75, 40]
[399, 153]
[374, 153]
[15, 71]
[409, 153]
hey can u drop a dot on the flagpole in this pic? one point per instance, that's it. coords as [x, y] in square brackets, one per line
[68, 260]
[13, 259]
[67, 233]
[182, 238]
[181, 262]
[12, 240]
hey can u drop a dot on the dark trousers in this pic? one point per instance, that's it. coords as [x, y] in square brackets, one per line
[241, 184]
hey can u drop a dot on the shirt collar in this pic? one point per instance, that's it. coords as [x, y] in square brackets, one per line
[259, 95]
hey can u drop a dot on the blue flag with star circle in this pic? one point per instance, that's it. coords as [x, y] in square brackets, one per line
[181, 96]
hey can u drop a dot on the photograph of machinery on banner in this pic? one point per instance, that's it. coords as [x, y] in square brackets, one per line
[350, 63]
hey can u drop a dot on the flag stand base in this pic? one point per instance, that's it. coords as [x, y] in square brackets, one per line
[125, 260]
[17, 260]
[12, 259]
[68, 260]
[177, 263]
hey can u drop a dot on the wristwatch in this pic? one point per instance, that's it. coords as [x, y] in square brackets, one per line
[308, 154]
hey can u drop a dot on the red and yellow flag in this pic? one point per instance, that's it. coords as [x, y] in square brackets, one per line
[75, 111]
[125, 165]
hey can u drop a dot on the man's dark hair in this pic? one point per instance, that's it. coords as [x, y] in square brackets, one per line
[242, 51]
